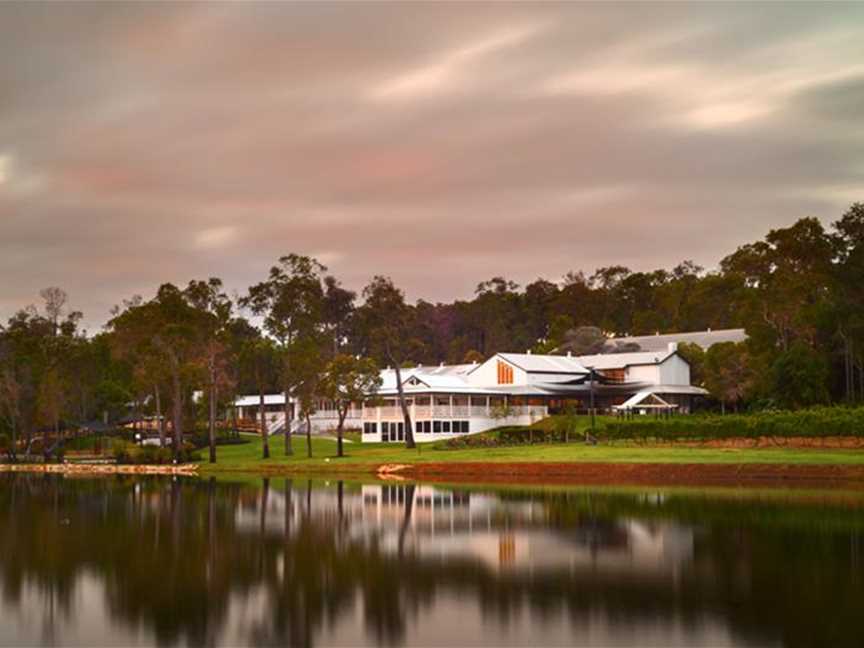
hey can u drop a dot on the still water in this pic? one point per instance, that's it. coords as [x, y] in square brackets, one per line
[126, 561]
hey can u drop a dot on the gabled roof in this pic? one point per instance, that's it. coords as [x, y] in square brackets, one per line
[644, 399]
[602, 361]
[538, 363]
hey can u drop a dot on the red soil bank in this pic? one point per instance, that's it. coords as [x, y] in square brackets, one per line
[639, 473]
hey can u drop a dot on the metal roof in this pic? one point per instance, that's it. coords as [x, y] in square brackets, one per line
[619, 360]
[537, 363]
[704, 339]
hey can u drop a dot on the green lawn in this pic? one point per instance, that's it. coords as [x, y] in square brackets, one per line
[247, 457]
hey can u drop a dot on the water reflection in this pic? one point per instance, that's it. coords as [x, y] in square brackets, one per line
[123, 561]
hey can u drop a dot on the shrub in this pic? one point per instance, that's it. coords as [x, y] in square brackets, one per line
[129, 453]
[505, 436]
[122, 451]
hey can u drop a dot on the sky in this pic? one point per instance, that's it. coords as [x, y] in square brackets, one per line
[440, 144]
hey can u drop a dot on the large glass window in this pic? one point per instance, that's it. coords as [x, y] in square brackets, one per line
[427, 426]
[385, 431]
[445, 427]
[436, 427]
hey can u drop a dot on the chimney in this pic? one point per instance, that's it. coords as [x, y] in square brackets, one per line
[528, 352]
[569, 354]
[673, 347]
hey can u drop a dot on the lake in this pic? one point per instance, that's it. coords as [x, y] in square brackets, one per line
[125, 561]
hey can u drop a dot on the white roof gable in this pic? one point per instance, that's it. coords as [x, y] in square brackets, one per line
[536, 363]
[620, 360]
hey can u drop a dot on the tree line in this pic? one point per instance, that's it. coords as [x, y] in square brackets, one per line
[798, 292]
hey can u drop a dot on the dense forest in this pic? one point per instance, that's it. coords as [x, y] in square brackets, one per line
[799, 292]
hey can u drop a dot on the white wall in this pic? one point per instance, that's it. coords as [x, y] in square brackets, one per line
[644, 373]
[476, 424]
[675, 371]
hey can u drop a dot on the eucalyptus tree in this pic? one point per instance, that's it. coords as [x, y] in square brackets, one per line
[173, 330]
[239, 335]
[338, 311]
[208, 297]
[306, 385]
[259, 361]
[849, 298]
[35, 367]
[10, 393]
[385, 323]
[291, 302]
[349, 379]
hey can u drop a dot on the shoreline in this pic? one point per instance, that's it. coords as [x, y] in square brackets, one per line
[516, 473]
[189, 470]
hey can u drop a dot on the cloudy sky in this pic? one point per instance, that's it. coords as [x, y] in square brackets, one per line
[438, 143]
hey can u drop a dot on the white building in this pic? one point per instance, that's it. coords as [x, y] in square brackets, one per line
[507, 389]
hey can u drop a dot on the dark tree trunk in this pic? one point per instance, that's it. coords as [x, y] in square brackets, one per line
[212, 422]
[340, 430]
[178, 413]
[160, 422]
[406, 415]
[13, 450]
[286, 409]
[265, 442]
[308, 436]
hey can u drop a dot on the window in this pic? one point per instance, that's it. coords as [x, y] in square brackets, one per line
[505, 373]
[370, 428]
[418, 425]
[436, 427]
[460, 426]
[445, 427]
[385, 431]
[427, 426]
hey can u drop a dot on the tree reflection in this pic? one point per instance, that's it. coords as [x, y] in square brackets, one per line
[174, 556]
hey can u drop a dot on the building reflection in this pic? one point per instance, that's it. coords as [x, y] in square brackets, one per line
[292, 562]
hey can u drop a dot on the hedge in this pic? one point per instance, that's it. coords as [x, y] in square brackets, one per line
[130, 453]
[815, 422]
[507, 436]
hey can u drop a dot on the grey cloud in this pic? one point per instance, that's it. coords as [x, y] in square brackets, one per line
[142, 143]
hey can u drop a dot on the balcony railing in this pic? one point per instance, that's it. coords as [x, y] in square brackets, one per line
[426, 412]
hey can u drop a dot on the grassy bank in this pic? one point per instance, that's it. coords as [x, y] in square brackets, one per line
[360, 457]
